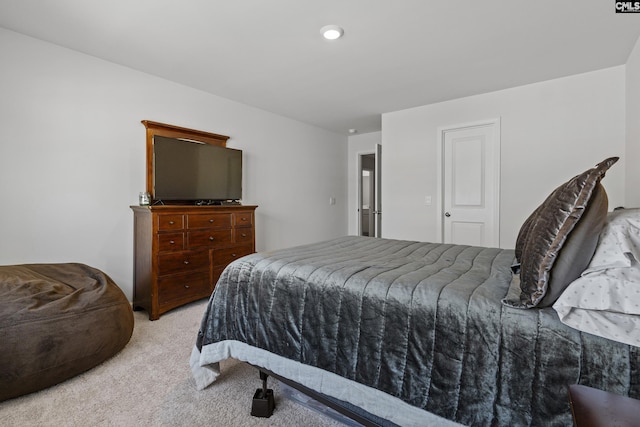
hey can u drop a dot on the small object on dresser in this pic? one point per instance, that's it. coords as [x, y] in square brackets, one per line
[144, 198]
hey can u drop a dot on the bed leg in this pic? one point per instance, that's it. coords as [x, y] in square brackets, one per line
[263, 401]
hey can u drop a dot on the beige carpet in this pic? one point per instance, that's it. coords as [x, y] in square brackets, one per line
[149, 384]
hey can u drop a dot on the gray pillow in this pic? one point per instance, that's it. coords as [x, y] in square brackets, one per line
[544, 234]
[579, 247]
[523, 235]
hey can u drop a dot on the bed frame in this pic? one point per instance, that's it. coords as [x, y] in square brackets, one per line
[263, 402]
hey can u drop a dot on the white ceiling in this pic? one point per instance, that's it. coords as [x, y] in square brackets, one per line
[394, 54]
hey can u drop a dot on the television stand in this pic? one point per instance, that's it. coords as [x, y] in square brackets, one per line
[181, 250]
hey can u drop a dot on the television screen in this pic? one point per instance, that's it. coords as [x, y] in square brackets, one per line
[193, 171]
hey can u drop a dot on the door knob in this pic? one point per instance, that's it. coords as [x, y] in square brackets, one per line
[447, 214]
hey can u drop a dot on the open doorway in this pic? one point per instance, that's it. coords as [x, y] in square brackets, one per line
[367, 194]
[369, 212]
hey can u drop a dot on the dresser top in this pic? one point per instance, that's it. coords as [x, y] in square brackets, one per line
[192, 208]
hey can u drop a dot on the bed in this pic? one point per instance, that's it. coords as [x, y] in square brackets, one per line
[414, 332]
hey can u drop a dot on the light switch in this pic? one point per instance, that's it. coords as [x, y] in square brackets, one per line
[427, 200]
[332, 200]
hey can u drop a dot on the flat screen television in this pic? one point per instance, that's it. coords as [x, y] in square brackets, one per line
[195, 172]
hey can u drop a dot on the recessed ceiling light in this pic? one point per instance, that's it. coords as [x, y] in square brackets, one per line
[352, 131]
[331, 32]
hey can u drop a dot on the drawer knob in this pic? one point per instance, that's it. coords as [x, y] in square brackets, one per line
[186, 262]
[172, 242]
[211, 220]
[233, 255]
[243, 219]
[171, 222]
[211, 238]
[186, 286]
[244, 234]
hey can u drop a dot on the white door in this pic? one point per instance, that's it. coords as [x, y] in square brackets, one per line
[471, 184]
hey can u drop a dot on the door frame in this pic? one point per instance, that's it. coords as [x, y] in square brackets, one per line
[440, 174]
[378, 191]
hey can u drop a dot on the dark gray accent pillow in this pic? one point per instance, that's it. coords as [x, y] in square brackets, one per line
[546, 231]
[579, 247]
[523, 235]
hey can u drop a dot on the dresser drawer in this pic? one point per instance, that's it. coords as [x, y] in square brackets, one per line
[243, 219]
[170, 242]
[209, 237]
[184, 261]
[170, 222]
[227, 255]
[185, 287]
[244, 235]
[215, 220]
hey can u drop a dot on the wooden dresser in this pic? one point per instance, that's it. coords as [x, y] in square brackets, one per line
[180, 251]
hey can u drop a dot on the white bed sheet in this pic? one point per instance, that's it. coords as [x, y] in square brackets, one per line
[605, 300]
[206, 368]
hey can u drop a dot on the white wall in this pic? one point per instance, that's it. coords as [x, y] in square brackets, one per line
[551, 131]
[72, 158]
[632, 157]
[358, 144]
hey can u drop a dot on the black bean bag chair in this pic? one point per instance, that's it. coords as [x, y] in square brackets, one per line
[57, 321]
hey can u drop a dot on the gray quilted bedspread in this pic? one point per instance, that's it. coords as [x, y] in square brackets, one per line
[419, 321]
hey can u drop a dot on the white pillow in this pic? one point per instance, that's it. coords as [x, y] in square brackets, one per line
[619, 241]
[604, 303]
